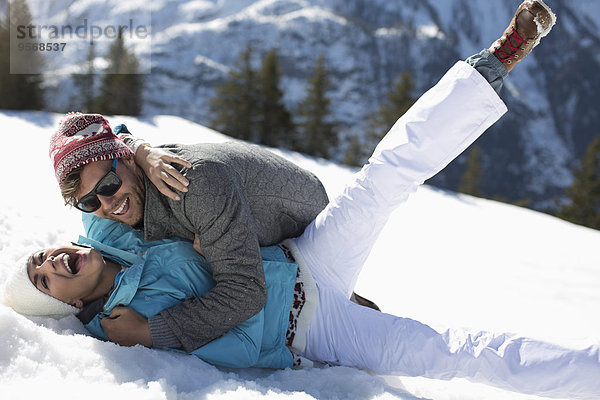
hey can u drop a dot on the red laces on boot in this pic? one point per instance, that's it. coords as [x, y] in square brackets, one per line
[505, 47]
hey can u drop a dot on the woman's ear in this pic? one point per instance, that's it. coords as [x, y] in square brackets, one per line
[77, 303]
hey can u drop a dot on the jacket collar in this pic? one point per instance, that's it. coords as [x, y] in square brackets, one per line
[127, 281]
[126, 286]
[117, 255]
[155, 209]
[160, 219]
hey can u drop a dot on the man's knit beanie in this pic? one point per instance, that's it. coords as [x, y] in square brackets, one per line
[81, 139]
[22, 296]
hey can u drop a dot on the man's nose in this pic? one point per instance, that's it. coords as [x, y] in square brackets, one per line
[106, 203]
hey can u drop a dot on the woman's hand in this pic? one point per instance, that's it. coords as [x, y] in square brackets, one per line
[127, 327]
[156, 165]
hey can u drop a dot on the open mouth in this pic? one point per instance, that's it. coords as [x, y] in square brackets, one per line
[71, 262]
[123, 208]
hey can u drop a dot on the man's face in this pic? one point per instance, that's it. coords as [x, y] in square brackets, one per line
[127, 205]
[72, 274]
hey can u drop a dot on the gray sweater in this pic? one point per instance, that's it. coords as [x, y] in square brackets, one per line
[240, 197]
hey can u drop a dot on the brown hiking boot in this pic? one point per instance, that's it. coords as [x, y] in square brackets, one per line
[532, 21]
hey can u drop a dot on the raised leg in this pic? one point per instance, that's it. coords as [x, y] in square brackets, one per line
[439, 126]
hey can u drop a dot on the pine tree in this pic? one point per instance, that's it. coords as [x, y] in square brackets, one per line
[469, 182]
[317, 134]
[85, 84]
[354, 154]
[584, 194]
[121, 86]
[275, 122]
[19, 91]
[235, 105]
[398, 100]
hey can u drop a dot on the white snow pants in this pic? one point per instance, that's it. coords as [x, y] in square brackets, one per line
[439, 126]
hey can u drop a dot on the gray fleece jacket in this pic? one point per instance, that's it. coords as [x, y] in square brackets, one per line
[240, 197]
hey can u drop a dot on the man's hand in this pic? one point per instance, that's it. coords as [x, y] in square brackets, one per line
[156, 165]
[127, 327]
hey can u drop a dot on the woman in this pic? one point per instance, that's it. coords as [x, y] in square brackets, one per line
[308, 315]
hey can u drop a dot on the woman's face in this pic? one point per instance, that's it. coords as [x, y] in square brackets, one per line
[72, 274]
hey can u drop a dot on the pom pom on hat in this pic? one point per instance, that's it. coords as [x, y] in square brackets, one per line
[81, 139]
[22, 296]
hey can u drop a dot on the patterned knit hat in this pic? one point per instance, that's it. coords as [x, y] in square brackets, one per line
[22, 296]
[81, 139]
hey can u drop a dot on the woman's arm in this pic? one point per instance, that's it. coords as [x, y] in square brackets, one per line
[156, 163]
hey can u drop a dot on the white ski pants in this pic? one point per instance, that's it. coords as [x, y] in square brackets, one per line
[439, 127]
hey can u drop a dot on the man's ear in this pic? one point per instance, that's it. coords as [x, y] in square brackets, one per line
[128, 160]
[77, 303]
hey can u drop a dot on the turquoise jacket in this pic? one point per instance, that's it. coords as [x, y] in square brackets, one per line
[163, 273]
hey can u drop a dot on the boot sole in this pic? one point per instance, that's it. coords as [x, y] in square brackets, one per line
[552, 22]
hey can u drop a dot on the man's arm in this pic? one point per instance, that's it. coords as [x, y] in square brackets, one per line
[216, 208]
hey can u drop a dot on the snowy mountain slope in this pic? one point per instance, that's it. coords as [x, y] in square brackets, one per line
[448, 260]
[368, 43]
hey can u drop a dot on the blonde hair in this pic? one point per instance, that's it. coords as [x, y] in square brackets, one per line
[70, 185]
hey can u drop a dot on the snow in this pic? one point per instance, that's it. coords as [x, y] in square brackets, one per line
[465, 263]
[390, 31]
[200, 59]
[429, 31]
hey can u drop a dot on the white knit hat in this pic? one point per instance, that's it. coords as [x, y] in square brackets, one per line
[22, 296]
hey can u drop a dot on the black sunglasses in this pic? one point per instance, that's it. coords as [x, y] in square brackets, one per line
[107, 186]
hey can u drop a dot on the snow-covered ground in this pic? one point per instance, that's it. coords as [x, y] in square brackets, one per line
[448, 260]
